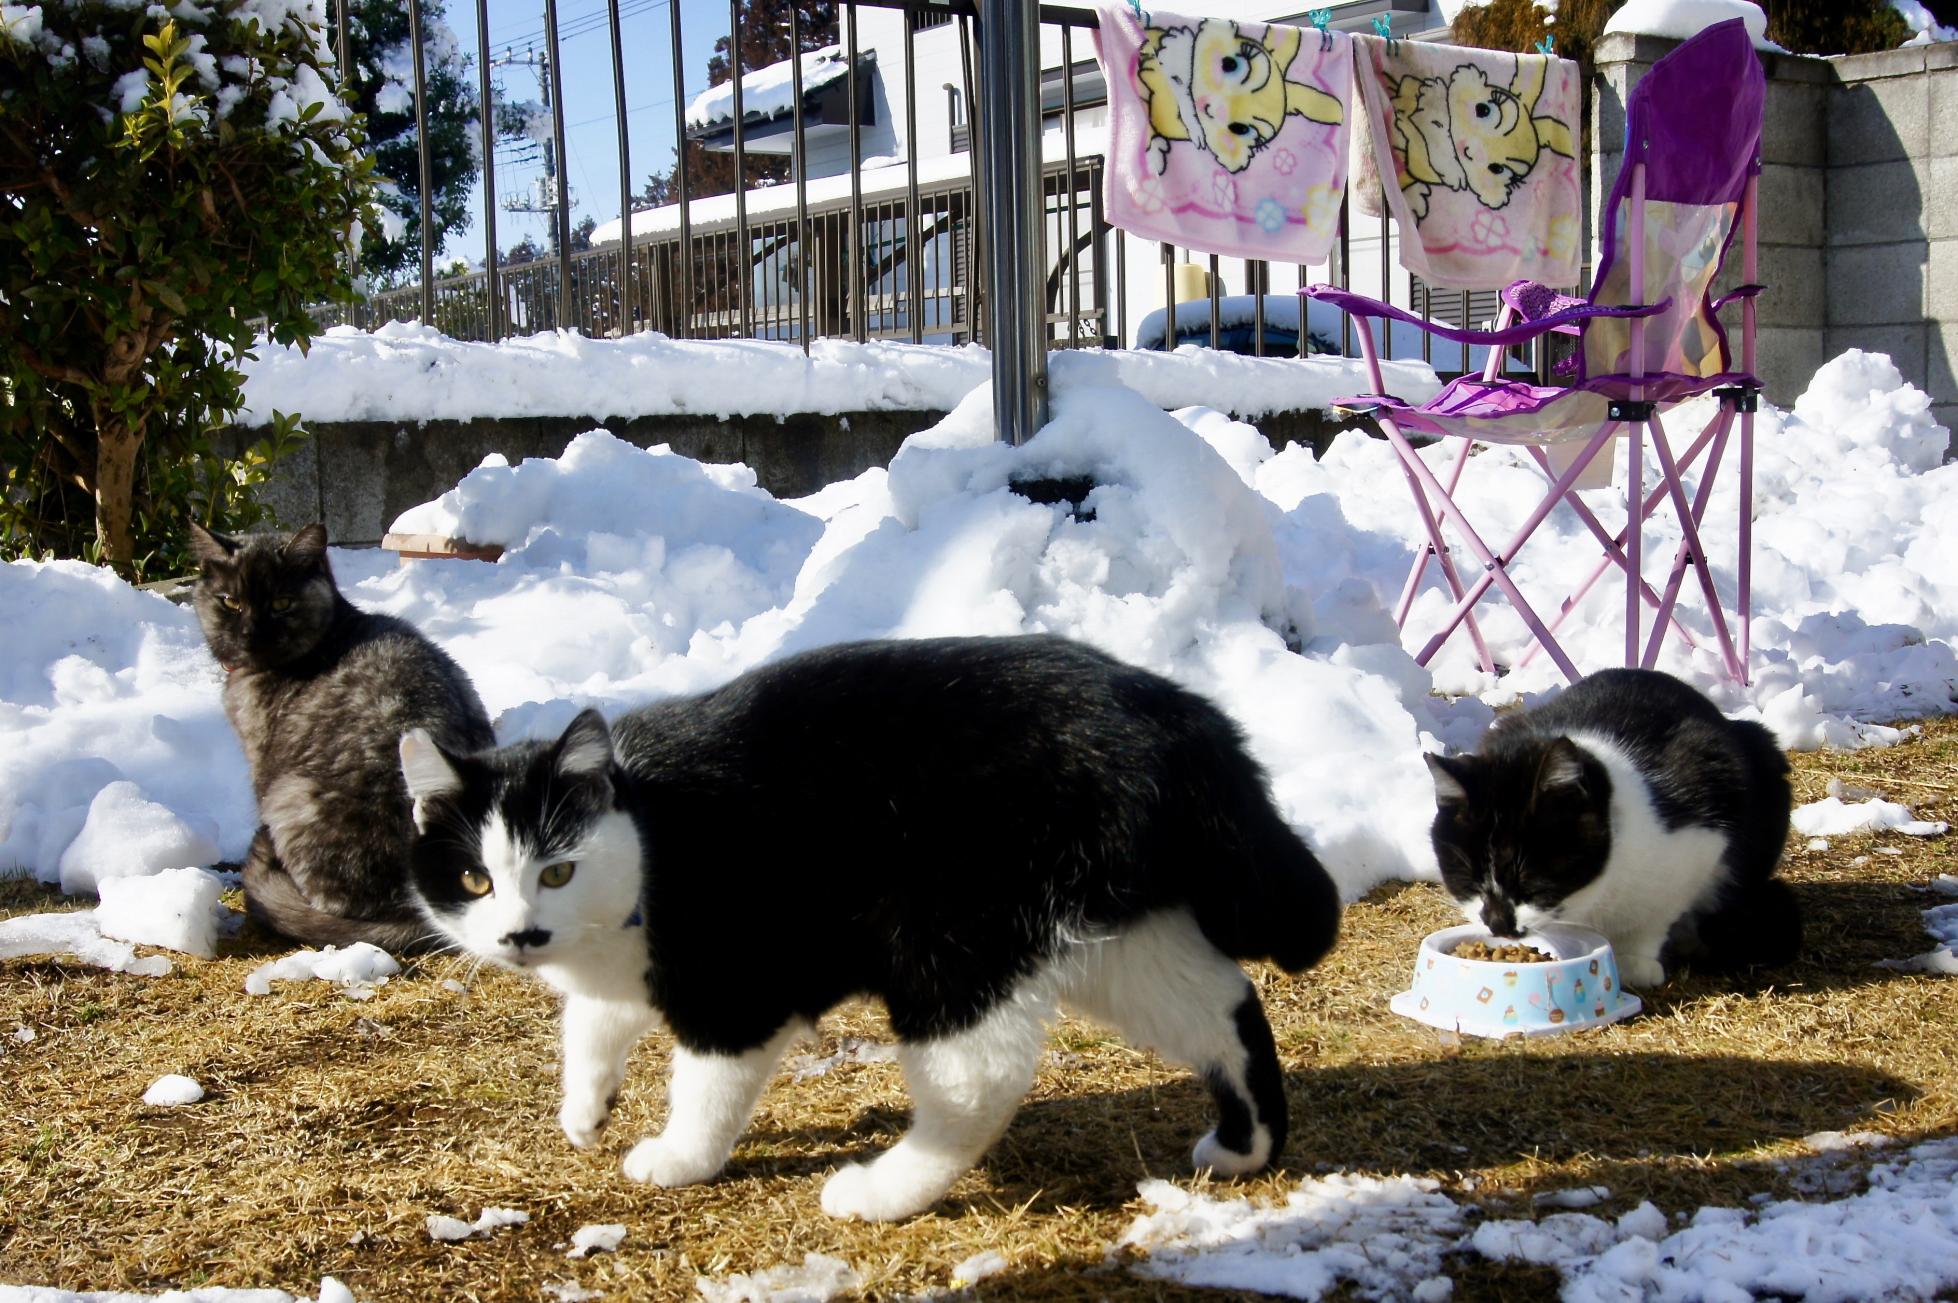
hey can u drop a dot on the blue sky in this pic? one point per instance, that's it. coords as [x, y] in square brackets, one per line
[591, 140]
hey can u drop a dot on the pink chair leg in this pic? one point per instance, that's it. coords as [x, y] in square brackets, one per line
[1690, 530]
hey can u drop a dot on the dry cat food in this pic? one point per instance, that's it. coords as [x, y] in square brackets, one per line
[1516, 953]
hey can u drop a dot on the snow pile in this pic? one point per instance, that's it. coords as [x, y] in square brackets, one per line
[1924, 26]
[105, 686]
[816, 1279]
[75, 935]
[331, 1291]
[600, 1237]
[1941, 921]
[977, 1267]
[1384, 1237]
[854, 1049]
[1680, 19]
[172, 1090]
[407, 372]
[1897, 1240]
[177, 909]
[452, 1229]
[357, 970]
[768, 92]
[1832, 817]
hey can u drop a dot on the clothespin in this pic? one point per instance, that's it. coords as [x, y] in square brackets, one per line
[1319, 18]
[1548, 45]
[1141, 15]
[1383, 27]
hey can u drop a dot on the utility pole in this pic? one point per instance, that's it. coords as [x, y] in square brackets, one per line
[541, 201]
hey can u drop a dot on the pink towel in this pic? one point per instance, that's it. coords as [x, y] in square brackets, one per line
[1482, 145]
[1224, 136]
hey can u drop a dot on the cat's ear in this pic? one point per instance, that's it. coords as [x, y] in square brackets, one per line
[585, 750]
[427, 770]
[208, 545]
[1561, 771]
[1449, 775]
[307, 547]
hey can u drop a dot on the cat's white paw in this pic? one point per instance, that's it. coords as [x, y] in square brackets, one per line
[657, 1160]
[1641, 970]
[583, 1119]
[1211, 1154]
[871, 1193]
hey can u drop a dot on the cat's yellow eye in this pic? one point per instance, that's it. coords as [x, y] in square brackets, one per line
[227, 601]
[556, 875]
[476, 882]
[280, 605]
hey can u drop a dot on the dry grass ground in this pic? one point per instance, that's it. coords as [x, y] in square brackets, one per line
[332, 1128]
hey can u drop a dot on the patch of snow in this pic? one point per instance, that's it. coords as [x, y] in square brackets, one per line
[1941, 921]
[1833, 817]
[816, 1279]
[173, 1089]
[768, 92]
[977, 1267]
[23, 1034]
[1924, 26]
[125, 834]
[853, 1049]
[600, 1237]
[1585, 1196]
[453, 1229]
[1680, 19]
[75, 934]
[357, 969]
[177, 909]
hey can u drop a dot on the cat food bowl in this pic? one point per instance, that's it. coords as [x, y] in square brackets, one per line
[1575, 988]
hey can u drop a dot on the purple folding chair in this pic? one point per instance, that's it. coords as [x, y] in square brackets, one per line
[1650, 339]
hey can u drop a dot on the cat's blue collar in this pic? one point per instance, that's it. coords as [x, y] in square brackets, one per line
[636, 918]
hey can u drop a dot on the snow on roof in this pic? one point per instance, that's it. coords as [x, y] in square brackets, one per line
[767, 92]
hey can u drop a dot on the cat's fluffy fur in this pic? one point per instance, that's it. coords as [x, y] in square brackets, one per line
[1630, 804]
[320, 692]
[972, 830]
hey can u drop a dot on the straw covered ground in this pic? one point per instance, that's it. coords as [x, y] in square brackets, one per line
[332, 1128]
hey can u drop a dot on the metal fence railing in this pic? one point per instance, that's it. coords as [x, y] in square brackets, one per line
[899, 251]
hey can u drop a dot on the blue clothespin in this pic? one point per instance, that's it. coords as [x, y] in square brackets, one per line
[1383, 27]
[1548, 45]
[1141, 15]
[1319, 19]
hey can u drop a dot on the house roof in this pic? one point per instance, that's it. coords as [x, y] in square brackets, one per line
[767, 92]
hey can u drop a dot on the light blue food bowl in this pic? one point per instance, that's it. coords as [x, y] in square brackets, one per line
[1578, 989]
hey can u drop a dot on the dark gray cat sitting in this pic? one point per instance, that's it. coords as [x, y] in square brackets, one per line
[320, 692]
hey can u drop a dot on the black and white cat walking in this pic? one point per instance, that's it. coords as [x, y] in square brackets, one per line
[976, 831]
[1630, 804]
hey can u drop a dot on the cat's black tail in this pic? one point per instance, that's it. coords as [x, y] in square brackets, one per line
[275, 901]
[1276, 902]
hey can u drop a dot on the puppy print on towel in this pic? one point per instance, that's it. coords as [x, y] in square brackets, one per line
[1482, 148]
[1229, 137]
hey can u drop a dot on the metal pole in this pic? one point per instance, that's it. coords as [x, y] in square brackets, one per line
[975, 130]
[801, 179]
[685, 323]
[1073, 192]
[562, 200]
[426, 183]
[855, 280]
[1009, 36]
[485, 112]
[744, 257]
[346, 69]
[625, 174]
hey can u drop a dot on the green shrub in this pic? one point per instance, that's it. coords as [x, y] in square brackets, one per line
[168, 177]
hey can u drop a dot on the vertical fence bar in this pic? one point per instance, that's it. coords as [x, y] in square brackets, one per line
[426, 182]
[1009, 35]
[1121, 288]
[624, 288]
[1098, 227]
[1345, 278]
[492, 293]
[1169, 298]
[914, 261]
[975, 130]
[1305, 312]
[801, 178]
[1254, 276]
[683, 327]
[1215, 279]
[561, 201]
[854, 283]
